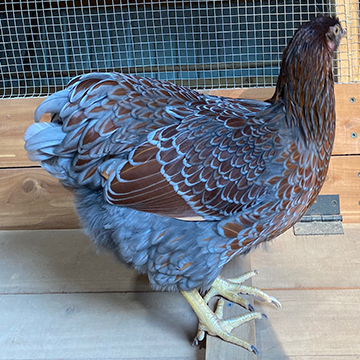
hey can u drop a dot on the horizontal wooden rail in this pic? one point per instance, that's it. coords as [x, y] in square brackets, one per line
[32, 199]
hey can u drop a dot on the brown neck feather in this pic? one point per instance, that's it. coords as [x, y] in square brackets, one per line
[306, 88]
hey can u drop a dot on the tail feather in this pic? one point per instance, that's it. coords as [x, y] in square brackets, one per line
[53, 104]
[41, 140]
[60, 168]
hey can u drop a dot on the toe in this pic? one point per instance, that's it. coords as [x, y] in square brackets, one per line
[219, 312]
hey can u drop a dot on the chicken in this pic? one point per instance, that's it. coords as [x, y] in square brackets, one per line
[176, 183]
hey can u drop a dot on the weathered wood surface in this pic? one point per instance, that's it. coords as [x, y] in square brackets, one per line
[65, 261]
[311, 325]
[60, 300]
[309, 262]
[344, 179]
[17, 114]
[32, 199]
[61, 261]
[97, 326]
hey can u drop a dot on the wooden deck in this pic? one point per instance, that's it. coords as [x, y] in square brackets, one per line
[61, 300]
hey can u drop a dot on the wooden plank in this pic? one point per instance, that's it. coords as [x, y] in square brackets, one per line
[317, 281]
[344, 179]
[56, 262]
[17, 114]
[312, 324]
[347, 135]
[15, 117]
[31, 198]
[97, 326]
[63, 261]
[309, 262]
[262, 94]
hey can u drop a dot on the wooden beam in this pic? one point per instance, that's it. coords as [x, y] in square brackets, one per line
[65, 261]
[309, 262]
[311, 325]
[33, 199]
[17, 114]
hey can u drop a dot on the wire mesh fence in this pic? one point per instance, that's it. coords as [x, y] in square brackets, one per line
[202, 44]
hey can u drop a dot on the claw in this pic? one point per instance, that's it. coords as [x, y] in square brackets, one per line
[255, 350]
[275, 301]
[231, 288]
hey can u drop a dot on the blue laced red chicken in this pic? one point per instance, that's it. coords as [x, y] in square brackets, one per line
[176, 182]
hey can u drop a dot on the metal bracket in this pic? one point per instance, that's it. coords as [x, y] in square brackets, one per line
[322, 218]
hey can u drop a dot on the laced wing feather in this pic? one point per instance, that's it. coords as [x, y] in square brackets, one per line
[213, 164]
[139, 184]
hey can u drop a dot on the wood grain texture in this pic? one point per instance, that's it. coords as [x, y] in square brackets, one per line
[309, 262]
[31, 198]
[17, 114]
[343, 179]
[311, 325]
[65, 261]
[97, 326]
[61, 261]
[347, 134]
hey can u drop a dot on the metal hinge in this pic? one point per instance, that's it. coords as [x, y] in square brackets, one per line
[323, 218]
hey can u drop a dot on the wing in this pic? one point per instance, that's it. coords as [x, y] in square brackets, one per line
[213, 164]
[108, 114]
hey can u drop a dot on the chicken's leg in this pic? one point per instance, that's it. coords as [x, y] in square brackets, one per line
[214, 324]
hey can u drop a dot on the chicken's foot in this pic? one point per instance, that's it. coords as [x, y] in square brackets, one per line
[214, 324]
[230, 289]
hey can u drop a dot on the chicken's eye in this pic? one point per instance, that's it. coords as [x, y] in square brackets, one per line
[336, 29]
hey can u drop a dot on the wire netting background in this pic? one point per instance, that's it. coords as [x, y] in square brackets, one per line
[201, 44]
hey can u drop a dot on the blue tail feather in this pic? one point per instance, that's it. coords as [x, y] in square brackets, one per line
[53, 104]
